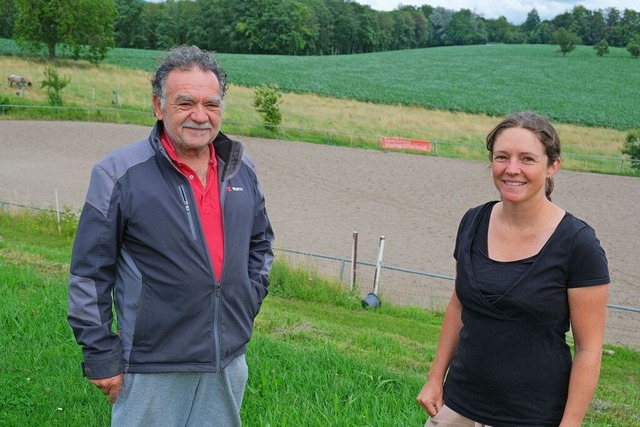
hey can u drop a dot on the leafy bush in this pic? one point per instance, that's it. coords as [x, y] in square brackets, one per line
[54, 84]
[4, 104]
[266, 101]
[632, 148]
[568, 40]
[633, 47]
[602, 48]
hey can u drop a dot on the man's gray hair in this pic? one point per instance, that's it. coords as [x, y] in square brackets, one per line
[185, 58]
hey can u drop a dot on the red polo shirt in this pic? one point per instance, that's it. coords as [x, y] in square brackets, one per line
[208, 199]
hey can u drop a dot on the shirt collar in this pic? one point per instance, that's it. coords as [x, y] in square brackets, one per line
[171, 151]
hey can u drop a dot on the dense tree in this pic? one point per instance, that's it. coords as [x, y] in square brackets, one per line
[532, 21]
[465, 28]
[501, 31]
[589, 25]
[629, 26]
[403, 34]
[213, 26]
[365, 33]
[290, 27]
[129, 25]
[541, 34]
[85, 27]
[422, 28]
[174, 22]
[8, 13]
[345, 26]
[440, 19]
[564, 20]
[323, 27]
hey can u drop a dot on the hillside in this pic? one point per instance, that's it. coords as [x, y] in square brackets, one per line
[317, 358]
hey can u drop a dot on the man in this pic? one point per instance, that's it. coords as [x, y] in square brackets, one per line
[174, 234]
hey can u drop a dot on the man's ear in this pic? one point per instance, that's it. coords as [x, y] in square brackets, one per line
[157, 108]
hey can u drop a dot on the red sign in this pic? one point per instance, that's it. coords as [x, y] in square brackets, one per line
[392, 143]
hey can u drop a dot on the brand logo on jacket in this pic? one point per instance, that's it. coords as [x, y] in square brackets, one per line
[230, 188]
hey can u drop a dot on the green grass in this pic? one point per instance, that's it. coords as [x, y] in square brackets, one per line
[317, 358]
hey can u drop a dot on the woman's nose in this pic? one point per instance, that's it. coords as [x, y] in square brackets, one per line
[513, 167]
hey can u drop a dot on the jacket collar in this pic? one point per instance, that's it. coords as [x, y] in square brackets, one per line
[228, 151]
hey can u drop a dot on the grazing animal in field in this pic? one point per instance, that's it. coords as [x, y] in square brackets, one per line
[18, 80]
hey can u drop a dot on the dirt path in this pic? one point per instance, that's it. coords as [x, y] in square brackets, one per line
[319, 195]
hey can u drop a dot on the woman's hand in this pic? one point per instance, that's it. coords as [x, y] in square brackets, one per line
[430, 397]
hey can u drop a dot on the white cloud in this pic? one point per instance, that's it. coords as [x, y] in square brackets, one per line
[514, 10]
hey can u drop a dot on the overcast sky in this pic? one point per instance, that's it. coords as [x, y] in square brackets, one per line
[514, 10]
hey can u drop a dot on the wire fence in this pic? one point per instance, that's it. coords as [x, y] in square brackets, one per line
[428, 290]
[572, 161]
[402, 286]
[431, 289]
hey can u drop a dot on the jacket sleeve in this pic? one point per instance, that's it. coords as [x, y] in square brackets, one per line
[92, 278]
[261, 249]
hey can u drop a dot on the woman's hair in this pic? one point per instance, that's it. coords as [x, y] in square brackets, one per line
[539, 126]
[186, 58]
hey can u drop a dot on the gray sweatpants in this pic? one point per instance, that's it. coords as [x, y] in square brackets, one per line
[180, 399]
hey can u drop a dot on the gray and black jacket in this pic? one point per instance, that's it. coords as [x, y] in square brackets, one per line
[140, 246]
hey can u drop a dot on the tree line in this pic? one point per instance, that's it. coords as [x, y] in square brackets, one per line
[89, 28]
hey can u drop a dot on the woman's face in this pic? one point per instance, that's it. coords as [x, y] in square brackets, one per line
[520, 165]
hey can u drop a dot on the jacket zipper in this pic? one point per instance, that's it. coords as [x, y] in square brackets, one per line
[217, 298]
[218, 295]
[216, 328]
[187, 208]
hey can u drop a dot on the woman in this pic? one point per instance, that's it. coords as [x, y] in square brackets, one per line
[526, 271]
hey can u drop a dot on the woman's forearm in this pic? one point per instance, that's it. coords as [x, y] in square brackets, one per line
[582, 386]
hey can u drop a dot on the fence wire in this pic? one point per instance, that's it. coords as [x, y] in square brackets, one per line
[431, 291]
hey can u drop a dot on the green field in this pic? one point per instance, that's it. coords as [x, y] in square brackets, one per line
[579, 88]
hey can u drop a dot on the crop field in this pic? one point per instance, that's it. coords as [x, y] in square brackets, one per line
[579, 88]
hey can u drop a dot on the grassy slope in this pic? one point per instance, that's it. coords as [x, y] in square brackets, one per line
[579, 88]
[317, 358]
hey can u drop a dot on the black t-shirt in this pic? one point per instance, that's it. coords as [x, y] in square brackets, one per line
[512, 365]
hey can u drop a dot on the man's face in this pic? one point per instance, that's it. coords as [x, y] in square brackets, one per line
[192, 112]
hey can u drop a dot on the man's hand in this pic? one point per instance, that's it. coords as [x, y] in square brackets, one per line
[109, 386]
